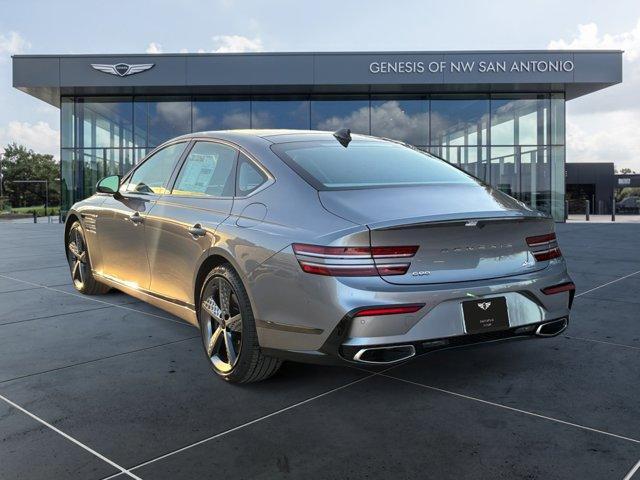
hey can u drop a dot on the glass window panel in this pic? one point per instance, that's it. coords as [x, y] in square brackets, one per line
[471, 159]
[167, 118]
[333, 115]
[140, 123]
[153, 175]
[250, 177]
[535, 178]
[519, 121]
[207, 171]
[68, 185]
[97, 163]
[266, 113]
[370, 164]
[504, 173]
[557, 119]
[558, 183]
[405, 120]
[221, 115]
[104, 122]
[67, 122]
[459, 121]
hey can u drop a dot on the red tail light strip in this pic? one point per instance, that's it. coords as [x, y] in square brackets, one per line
[343, 261]
[563, 287]
[547, 254]
[353, 270]
[541, 240]
[388, 310]
[549, 246]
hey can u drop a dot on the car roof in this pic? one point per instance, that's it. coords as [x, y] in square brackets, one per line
[270, 135]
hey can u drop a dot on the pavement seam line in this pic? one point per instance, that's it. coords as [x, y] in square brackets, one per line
[608, 283]
[513, 409]
[632, 472]
[252, 422]
[179, 322]
[601, 341]
[70, 438]
[53, 316]
[98, 359]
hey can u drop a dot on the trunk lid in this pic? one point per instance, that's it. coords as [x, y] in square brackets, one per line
[464, 232]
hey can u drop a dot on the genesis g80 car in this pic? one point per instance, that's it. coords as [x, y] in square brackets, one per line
[319, 247]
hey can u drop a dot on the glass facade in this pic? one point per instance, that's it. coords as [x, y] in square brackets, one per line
[514, 142]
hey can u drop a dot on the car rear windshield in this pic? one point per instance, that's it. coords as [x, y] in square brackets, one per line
[327, 165]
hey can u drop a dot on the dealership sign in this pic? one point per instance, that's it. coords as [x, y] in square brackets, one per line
[480, 66]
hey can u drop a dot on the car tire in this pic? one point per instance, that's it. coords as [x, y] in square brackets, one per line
[80, 263]
[228, 331]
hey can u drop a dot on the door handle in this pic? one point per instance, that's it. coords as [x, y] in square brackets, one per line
[197, 230]
[136, 218]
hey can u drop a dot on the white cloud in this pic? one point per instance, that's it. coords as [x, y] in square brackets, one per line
[236, 43]
[607, 137]
[603, 126]
[589, 38]
[154, 48]
[39, 137]
[13, 43]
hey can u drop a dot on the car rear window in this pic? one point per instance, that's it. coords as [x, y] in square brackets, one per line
[327, 165]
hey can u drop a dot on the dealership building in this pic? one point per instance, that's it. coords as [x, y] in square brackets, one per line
[499, 115]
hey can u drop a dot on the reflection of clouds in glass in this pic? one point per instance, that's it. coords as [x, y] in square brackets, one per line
[280, 114]
[167, 120]
[234, 118]
[392, 121]
[453, 127]
[173, 113]
[357, 121]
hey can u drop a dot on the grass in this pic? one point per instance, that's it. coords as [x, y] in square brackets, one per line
[39, 209]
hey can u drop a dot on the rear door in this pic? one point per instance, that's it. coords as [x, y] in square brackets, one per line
[182, 224]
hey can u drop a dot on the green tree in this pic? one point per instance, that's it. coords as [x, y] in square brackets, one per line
[626, 171]
[20, 163]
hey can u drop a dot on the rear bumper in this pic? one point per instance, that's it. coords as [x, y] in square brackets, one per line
[303, 314]
[335, 353]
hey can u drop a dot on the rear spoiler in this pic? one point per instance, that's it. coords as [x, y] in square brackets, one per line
[471, 219]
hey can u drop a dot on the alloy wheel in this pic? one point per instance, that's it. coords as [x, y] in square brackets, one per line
[221, 324]
[77, 257]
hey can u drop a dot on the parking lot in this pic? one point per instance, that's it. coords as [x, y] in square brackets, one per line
[109, 387]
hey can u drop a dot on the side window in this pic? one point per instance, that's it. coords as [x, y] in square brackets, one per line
[153, 175]
[250, 177]
[209, 170]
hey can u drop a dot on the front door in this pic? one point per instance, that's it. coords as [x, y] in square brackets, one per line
[182, 224]
[121, 222]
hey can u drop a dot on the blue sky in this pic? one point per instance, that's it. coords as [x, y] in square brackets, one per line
[602, 127]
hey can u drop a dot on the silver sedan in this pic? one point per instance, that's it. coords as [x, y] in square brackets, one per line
[319, 247]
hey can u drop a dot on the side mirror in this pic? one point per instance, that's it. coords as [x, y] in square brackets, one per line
[109, 185]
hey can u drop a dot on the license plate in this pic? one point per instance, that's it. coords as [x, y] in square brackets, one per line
[485, 315]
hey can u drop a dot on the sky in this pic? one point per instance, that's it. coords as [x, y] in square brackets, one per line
[601, 127]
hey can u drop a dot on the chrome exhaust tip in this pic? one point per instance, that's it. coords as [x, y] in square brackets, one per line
[553, 328]
[385, 355]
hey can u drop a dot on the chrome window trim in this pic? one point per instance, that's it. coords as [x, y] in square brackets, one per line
[271, 179]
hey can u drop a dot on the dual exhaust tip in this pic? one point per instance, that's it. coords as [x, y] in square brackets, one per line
[385, 355]
[553, 328]
[399, 353]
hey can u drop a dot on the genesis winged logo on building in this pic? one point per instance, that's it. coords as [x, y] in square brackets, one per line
[122, 69]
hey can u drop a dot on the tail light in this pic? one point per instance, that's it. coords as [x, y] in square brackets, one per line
[354, 261]
[563, 287]
[388, 310]
[544, 247]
